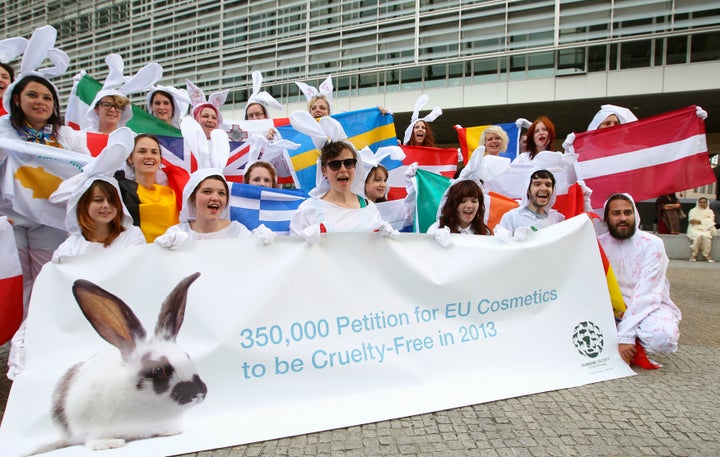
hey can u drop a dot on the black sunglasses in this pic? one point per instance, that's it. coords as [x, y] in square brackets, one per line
[335, 165]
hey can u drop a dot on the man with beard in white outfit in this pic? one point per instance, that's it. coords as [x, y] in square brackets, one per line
[535, 211]
[651, 322]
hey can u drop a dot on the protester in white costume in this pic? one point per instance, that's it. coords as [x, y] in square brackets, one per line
[32, 102]
[319, 99]
[111, 108]
[610, 116]
[463, 206]
[206, 111]
[337, 204]
[205, 212]
[535, 211]
[419, 133]
[258, 104]
[168, 104]
[701, 229]
[96, 218]
[540, 136]
[640, 264]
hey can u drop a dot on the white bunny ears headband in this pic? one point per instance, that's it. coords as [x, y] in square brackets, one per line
[102, 167]
[624, 115]
[39, 47]
[116, 84]
[322, 131]
[325, 89]
[199, 101]
[261, 149]
[261, 97]
[11, 48]
[212, 156]
[371, 159]
[434, 114]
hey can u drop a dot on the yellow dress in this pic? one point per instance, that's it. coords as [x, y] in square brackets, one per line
[158, 210]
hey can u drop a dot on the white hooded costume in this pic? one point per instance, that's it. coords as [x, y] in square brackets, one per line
[640, 265]
[522, 218]
[314, 212]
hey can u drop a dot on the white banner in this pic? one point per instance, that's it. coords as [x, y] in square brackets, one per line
[292, 339]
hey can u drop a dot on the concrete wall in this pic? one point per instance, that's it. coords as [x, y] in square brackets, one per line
[677, 247]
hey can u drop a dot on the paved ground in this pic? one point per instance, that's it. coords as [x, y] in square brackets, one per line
[674, 411]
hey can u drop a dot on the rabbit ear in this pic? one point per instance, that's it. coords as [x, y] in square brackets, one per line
[303, 122]
[257, 82]
[218, 98]
[143, 80]
[308, 91]
[172, 312]
[419, 103]
[197, 96]
[110, 317]
[194, 137]
[326, 88]
[41, 41]
[61, 62]
[219, 149]
[116, 67]
[11, 48]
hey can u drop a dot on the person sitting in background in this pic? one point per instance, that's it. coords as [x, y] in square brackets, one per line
[651, 322]
[701, 229]
[668, 211]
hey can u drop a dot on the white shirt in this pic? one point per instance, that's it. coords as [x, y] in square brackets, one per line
[523, 217]
[76, 244]
[314, 211]
[234, 230]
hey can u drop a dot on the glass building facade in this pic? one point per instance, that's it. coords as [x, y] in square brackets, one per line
[373, 46]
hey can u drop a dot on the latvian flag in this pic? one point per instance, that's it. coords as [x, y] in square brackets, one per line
[651, 157]
[11, 284]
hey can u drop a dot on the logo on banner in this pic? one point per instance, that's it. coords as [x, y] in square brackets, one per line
[588, 339]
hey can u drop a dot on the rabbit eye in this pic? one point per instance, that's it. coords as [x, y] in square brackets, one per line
[159, 372]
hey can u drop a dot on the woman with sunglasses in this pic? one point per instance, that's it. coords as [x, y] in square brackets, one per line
[336, 206]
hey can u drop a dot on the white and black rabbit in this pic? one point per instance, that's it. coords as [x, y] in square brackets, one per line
[140, 391]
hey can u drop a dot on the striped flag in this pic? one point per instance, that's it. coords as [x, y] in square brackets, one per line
[648, 158]
[441, 161]
[469, 139]
[11, 283]
[569, 198]
[365, 127]
[254, 205]
[430, 189]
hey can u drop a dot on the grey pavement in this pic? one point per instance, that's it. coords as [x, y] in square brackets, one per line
[674, 411]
